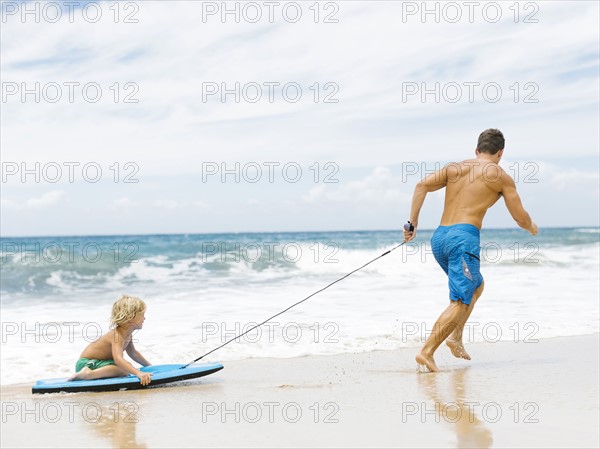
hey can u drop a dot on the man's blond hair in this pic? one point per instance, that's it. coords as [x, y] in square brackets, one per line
[125, 309]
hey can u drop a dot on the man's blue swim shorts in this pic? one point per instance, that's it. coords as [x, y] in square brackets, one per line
[456, 249]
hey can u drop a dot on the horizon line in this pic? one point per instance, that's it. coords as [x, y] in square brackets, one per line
[274, 232]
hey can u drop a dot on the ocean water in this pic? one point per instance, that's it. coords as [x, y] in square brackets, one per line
[201, 290]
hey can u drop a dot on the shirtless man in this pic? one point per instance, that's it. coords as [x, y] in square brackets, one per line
[472, 187]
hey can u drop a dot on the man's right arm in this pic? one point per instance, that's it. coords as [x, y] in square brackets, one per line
[431, 183]
[515, 206]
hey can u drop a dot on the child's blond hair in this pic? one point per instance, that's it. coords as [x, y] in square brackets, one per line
[125, 309]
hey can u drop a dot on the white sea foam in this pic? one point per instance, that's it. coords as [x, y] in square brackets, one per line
[194, 307]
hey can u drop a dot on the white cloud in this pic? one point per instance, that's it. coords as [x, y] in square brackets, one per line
[168, 204]
[5, 203]
[369, 73]
[560, 178]
[378, 187]
[171, 131]
[175, 204]
[45, 200]
[123, 202]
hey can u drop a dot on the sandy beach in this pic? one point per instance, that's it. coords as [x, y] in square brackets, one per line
[542, 394]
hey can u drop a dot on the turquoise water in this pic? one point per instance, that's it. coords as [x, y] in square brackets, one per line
[202, 290]
[43, 267]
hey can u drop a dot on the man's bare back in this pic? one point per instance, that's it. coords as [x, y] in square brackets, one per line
[472, 187]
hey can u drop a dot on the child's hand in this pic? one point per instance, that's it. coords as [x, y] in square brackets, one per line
[144, 377]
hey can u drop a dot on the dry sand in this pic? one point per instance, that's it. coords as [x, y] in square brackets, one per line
[542, 394]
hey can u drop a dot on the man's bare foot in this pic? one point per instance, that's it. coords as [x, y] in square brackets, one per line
[427, 361]
[458, 350]
[81, 375]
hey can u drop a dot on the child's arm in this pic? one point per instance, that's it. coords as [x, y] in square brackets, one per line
[136, 355]
[117, 353]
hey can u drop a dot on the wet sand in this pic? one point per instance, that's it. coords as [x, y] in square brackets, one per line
[542, 394]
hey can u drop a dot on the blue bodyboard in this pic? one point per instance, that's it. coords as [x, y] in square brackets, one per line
[161, 374]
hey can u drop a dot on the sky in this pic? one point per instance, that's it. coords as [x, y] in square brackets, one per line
[179, 117]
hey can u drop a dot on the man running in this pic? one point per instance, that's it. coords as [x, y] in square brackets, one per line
[472, 187]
